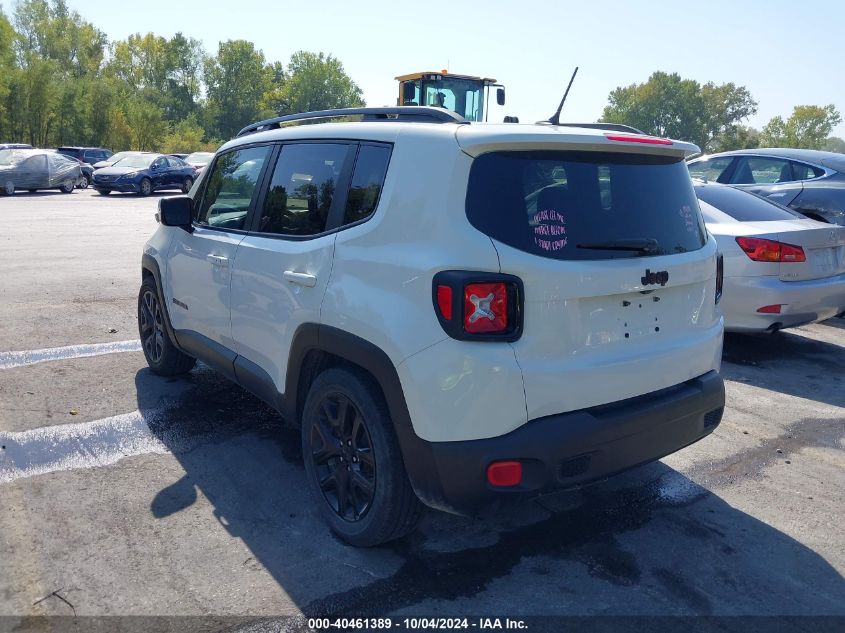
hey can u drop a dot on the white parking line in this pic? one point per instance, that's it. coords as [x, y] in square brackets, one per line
[9, 360]
[84, 445]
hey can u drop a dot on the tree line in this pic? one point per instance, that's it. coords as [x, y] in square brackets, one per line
[63, 82]
[712, 116]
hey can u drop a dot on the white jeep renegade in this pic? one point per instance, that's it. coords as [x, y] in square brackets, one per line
[455, 313]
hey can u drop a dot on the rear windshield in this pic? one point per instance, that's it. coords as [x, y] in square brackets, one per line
[585, 205]
[743, 205]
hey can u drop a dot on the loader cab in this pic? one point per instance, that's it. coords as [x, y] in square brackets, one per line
[464, 94]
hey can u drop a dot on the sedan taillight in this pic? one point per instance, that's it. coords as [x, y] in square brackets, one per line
[762, 250]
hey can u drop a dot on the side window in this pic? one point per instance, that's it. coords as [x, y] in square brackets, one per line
[230, 187]
[710, 169]
[302, 189]
[367, 181]
[761, 171]
[159, 163]
[175, 162]
[803, 171]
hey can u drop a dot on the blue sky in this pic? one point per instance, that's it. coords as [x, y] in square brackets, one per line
[785, 53]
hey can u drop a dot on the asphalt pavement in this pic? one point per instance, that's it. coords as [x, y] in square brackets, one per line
[123, 493]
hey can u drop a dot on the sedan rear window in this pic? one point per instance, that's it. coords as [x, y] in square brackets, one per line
[743, 205]
[585, 205]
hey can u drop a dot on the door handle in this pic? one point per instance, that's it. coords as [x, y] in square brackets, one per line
[302, 279]
[218, 260]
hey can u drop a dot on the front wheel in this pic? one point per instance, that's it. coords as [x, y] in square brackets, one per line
[186, 186]
[67, 186]
[9, 188]
[146, 187]
[104, 192]
[83, 182]
[162, 356]
[353, 462]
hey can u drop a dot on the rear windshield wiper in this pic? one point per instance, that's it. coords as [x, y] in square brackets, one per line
[645, 245]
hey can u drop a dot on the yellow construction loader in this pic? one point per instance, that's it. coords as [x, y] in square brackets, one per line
[467, 95]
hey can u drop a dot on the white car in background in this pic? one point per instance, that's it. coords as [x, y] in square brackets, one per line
[782, 269]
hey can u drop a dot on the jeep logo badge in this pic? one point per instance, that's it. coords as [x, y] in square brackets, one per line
[651, 278]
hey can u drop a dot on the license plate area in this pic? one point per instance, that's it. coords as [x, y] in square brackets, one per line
[627, 317]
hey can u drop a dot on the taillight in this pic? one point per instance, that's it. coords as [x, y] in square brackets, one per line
[478, 306]
[761, 250]
[720, 275]
[485, 308]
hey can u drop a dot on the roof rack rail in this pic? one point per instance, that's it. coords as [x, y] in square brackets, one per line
[420, 114]
[613, 127]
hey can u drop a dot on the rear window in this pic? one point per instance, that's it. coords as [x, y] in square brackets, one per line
[742, 205]
[585, 205]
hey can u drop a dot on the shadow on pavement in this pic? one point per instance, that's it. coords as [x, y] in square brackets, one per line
[650, 541]
[813, 368]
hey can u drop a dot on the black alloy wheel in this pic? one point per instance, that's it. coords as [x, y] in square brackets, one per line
[343, 458]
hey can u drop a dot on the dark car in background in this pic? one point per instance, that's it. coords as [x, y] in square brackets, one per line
[88, 155]
[34, 169]
[808, 181]
[143, 173]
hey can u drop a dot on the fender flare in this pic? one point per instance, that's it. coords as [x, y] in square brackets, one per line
[416, 452]
[149, 264]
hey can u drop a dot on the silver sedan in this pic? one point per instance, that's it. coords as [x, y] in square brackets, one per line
[781, 269]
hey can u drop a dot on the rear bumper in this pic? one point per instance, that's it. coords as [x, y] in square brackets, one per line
[801, 301]
[569, 449]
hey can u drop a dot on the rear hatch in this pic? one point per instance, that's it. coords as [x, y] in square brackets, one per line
[618, 271]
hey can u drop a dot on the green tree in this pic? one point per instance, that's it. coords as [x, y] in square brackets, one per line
[736, 137]
[315, 81]
[807, 127]
[667, 105]
[147, 123]
[185, 136]
[236, 79]
[7, 70]
[834, 144]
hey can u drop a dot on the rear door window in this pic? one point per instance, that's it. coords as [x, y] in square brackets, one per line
[302, 189]
[803, 171]
[743, 205]
[761, 171]
[585, 205]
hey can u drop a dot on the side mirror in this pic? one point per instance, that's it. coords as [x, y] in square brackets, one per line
[176, 211]
[500, 96]
[408, 91]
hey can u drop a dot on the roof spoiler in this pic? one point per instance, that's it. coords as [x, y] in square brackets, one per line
[417, 114]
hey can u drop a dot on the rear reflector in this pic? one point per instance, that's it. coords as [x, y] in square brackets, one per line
[485, 308]
[773, 309]
[761, 250]
[504, 474]
[444, 301]
[633, 138]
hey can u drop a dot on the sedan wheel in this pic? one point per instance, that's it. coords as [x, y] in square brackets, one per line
[146, 187]
[9, 188]
[186, 186]
[84, 182]
[67, 186]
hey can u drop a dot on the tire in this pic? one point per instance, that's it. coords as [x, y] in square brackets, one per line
[67, 186]
[83, 182]
[186, 186]
[9, 188]
[146, 187]
[162, 356]
[104, 192]
[386, 510]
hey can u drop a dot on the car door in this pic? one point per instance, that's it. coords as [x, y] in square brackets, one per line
[282, 267]
[200, 261]
[768, 176]
[158, 172]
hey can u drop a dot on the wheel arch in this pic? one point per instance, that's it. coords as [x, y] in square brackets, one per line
[315, 348]
[150, 268]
